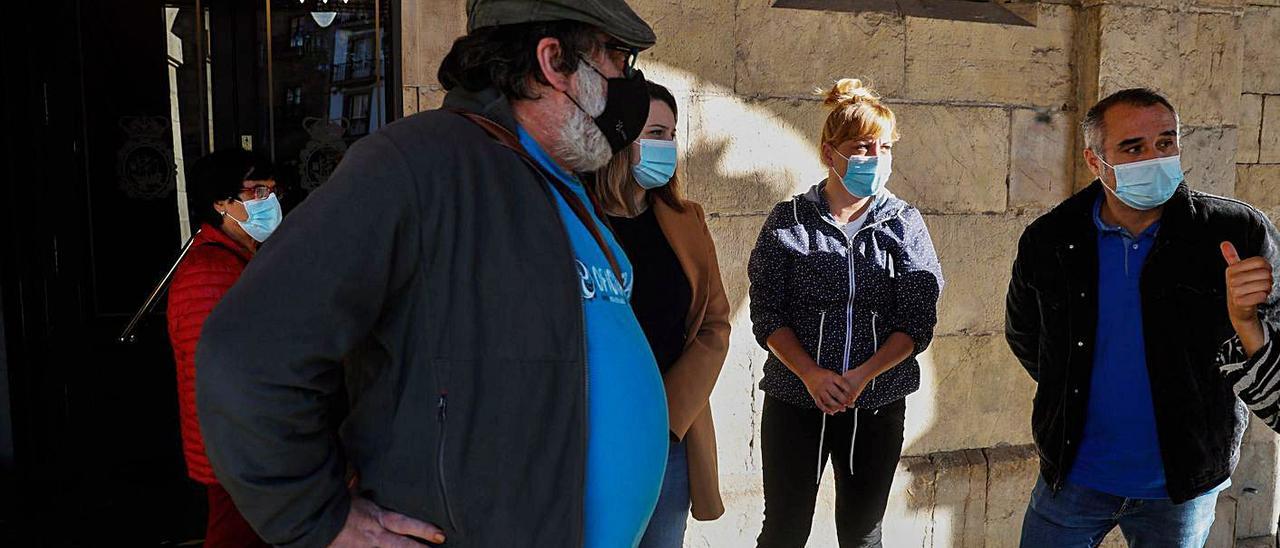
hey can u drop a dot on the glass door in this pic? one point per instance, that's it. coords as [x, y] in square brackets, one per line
[326, 81]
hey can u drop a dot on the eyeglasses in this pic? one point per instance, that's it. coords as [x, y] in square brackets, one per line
[629, 56]
[259, 192]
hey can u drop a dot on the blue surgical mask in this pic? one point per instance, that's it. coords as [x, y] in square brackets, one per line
[264, 216]
[1147, 184]
[866, 175]
[657, 163]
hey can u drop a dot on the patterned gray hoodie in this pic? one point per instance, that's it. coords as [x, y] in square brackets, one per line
[800, 278]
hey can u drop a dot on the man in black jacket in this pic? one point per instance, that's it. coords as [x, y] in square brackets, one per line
[432, 283]
[1117, 308]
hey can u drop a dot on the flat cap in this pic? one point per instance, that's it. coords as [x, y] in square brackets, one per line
[614, 17]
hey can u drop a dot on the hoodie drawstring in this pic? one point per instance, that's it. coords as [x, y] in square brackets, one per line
[853, 438]
[822, 320]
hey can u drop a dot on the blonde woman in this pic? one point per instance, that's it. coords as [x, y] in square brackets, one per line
[679, 299]
[844, 294]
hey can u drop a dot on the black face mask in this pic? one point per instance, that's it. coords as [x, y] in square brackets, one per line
[626, 109]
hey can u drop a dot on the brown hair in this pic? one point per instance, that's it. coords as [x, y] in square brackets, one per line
[856, 111]
[609, 180]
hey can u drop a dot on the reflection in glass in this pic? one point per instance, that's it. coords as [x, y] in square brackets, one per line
[328, 75]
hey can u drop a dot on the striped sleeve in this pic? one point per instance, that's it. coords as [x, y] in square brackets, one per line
[1255, 380]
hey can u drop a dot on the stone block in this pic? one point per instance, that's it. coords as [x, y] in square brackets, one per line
[960, 504]
[1269, 142]
[1250, 136]
[1137, 47]
[1256, 542]
[735, 236]
[696, 37]
[952, 159]
[1212, 60]
[956, 408]
[438, 24]
[428, 29]
[1011, 476]
[743, 498]
[976, 253]
[411, 64]
[1253, 486]
[430, 97]
[1223, 532]
[409, 96]
[908, 519]
[1208, 159]
[788, 52]
[736, 401]
[1261, 32]
[965, 61]
[1042, 157]
[1193, 58]
[1259, 185]
[745, 156]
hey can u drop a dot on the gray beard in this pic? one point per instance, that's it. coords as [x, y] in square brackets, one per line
[581, 144]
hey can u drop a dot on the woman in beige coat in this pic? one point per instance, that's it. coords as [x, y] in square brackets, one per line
[679, 299]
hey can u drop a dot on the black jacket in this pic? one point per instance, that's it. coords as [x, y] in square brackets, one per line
[1052, 314]
[800, 272]
[433, 274]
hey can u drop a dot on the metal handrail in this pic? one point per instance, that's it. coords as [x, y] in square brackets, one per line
[129, 334]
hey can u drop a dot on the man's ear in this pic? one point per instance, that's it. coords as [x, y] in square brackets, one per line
[1091, 160]
[550, 54]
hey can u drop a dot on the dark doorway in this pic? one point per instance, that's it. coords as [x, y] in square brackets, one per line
[105, 103]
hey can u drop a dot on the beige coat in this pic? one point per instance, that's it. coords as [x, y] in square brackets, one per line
[693, 375]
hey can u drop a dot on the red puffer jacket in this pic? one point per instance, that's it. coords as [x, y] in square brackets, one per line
[208, 271]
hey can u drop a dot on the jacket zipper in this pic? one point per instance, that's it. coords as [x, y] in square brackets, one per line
[442, 411]
[848, 330]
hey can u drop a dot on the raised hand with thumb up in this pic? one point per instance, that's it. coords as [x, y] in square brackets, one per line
[1249, 284]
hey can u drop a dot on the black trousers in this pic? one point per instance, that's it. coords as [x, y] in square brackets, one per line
[789, 446]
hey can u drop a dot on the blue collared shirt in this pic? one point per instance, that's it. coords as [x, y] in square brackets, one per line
[1120, 451]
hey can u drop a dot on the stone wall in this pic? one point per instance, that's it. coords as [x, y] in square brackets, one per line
[989, 141]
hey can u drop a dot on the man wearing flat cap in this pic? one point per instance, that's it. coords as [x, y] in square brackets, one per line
[438, 345]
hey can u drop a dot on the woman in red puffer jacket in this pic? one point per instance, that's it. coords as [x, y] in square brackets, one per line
[231, 197]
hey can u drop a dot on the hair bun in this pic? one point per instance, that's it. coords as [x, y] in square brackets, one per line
[847, 90]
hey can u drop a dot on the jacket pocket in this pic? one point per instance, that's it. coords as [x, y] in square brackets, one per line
[442, 415]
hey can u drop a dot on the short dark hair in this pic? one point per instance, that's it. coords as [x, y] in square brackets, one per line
[1092, 124]
[220, 176]
[504, 57]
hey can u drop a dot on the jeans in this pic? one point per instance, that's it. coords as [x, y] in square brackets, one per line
[666, 527]
[1079, 516]
[789, 449]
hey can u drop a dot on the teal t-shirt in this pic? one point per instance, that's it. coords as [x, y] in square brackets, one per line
[627, 424]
